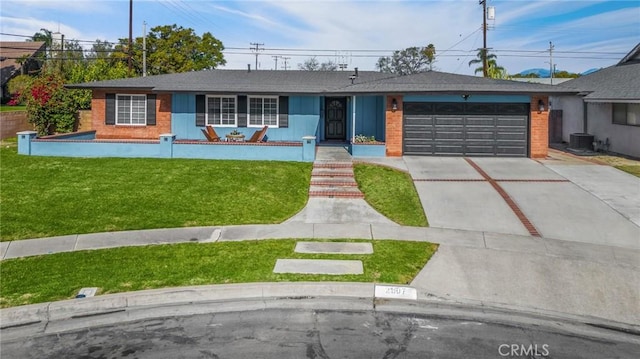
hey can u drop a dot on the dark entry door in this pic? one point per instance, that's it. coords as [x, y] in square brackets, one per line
[335, 118]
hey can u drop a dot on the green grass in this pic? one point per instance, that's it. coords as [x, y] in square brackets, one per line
[5, 108]
[59, 276]
[632, 169]
[392, 193]
[50, 196]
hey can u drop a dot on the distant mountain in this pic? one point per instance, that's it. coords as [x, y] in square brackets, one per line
[539, 72]
[544, 73]
[590, 71]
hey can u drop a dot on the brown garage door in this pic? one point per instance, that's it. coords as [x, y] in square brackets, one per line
[465, 129]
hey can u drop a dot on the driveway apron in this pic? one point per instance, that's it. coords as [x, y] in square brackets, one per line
[455, 195]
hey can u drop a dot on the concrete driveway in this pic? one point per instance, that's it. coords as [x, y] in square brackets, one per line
[584, 203]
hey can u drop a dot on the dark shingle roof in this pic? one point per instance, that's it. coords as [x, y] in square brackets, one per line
[615, 83]
[318, 82]
[442, 82]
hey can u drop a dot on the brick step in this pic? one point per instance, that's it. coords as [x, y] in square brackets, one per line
[333, 181]
[333, 188]
[332, 165]
[335, 194]
[331, 173]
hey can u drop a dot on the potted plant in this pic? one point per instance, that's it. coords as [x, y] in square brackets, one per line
[235, 135]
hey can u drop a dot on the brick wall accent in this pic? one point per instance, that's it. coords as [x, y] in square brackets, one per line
[85, 120]
[539, 128]
[12, 122]
[393, 123]
[163, 118]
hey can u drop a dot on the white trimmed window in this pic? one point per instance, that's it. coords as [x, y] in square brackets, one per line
[626, 114]
[221, 111]
[263, 111]
[131, 109]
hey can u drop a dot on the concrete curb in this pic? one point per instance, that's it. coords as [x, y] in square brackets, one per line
[75, 314]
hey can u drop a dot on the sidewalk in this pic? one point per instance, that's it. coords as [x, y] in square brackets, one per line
[485, 268]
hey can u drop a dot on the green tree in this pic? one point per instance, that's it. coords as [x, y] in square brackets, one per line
[408, 61]
[173, 49]
[493, 69]
[311, 64]
[18, 87]
[95, 70]
[565, 75]
[100, 50]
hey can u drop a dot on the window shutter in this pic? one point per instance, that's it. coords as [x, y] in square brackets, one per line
[283, 107]
[242, 111]
[110, 109]
[200, 110]
[151, 110]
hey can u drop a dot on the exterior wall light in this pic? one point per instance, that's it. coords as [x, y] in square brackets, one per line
[540, 106]
[394, 105]
[466, 96]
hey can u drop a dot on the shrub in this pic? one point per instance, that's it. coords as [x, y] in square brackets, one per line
[18, 87]
[50, 107]
[362, 138]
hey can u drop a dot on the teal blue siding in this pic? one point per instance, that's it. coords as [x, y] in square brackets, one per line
[183, 117]
[304, 115]
[472, 98]
[370, 116]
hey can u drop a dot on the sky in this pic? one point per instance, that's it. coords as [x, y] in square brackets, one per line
[585, 34]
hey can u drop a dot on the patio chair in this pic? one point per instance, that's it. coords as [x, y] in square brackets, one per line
[258, 136]
[210, 134]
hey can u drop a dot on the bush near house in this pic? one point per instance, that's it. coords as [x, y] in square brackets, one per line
[50, 107]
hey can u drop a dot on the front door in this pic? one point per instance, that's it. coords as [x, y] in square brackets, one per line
[335, 119]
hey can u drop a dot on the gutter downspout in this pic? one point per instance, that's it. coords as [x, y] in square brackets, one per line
[353, 119]
[584, 116]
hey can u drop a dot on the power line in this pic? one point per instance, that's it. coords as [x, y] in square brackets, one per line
[257, 50]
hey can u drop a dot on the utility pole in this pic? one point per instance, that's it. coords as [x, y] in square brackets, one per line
[61, 52]
[276, 59]
[144, 49]
[286, 59]
[485, 67]
[130, 34]
[257, 50]
[551, 67]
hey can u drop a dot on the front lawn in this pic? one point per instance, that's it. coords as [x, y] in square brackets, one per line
[52, 196]
[391, 192]
[631, 169]
[60, 276]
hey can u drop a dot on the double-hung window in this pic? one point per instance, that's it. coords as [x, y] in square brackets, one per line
[131, 110]
[263, 111]
[626, 114]
[221, 110]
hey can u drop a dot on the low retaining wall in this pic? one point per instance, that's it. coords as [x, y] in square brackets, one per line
[12, 122]
[367, 149]
[84, 144]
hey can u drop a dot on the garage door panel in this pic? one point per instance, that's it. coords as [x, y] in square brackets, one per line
[481, 121]
[449, 121]
[466, 130]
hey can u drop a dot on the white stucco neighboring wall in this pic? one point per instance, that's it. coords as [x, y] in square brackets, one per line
[624, 139]
[572, 114]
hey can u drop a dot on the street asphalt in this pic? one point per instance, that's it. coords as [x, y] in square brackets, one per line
[587, 265]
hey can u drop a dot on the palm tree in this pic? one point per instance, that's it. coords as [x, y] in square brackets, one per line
[493, 70]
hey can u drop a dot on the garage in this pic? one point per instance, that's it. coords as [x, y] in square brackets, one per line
[466, 129]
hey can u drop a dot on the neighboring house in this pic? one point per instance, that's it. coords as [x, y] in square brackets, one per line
[18, 58]
[608, 106]
[429, 113]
